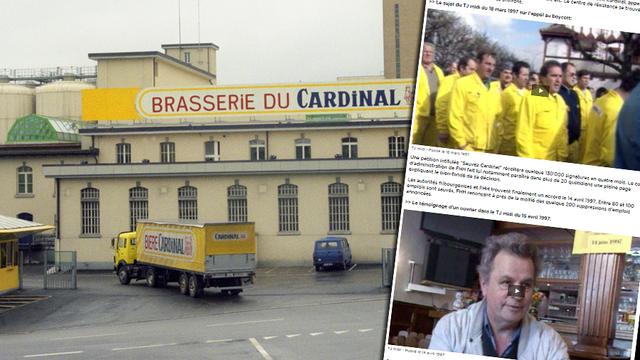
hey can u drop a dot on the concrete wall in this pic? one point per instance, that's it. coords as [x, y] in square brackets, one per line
[234, 146]
[41, 204]
[366, 235]
[410, 30]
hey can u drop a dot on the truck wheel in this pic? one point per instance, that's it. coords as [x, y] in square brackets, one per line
[183, 283]
[318, 268]
[234, 292]
[195, 286]
[123, 275]
[152, 279]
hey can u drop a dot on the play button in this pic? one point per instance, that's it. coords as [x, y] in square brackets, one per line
[516, 291]
[539, 90]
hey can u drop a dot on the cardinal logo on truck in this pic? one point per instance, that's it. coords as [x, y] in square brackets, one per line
[233, 236]
[180, 244]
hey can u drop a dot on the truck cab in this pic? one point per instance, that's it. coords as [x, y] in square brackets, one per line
[125, 249]
[331, 251]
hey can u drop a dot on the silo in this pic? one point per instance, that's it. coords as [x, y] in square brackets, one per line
[61, 99]
[15, 101]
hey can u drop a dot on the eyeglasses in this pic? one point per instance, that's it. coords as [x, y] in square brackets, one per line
[504, 285]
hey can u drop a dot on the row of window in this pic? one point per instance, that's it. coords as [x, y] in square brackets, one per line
[257, 149]
[288, 221]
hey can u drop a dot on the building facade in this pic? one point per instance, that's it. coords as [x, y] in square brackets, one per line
[402, 29]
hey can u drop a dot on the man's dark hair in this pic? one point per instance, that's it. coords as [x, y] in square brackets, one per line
[565, 65]
[582, 73]
[483, 53]
[464, 62]
[517, 66]
[544, 70]
[512, 243]
[531, 73]
[601, 91]
[630, 80]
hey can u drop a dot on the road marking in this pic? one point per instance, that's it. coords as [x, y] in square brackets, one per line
[143, 347]
[316, 333]
[245, 322]
[341, 332]
[269, 337]
[260, 349]
[293, 335]
[270, 270]
[54, 354]
[353, 267]
[218, 341]
[87, 336]
[312, 269]
[364, 330]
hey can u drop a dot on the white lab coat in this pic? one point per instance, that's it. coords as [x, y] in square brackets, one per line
[461, 332]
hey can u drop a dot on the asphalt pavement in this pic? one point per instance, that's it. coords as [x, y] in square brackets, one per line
[290, 313]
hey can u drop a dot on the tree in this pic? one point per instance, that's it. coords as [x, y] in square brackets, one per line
[619, 52]
[454, 39]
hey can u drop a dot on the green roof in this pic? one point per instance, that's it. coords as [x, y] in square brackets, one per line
[37, 128]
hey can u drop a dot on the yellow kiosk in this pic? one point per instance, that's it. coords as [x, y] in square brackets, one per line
[10, 230]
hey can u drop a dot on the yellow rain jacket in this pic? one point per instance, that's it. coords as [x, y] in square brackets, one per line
[600, 133]
[424, 127]
[495, 85]
[474, 113]
[541, 132]
[511, 101]
[442, 103]
[585, 101]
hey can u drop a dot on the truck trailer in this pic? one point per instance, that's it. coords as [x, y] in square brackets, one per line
[196, 255]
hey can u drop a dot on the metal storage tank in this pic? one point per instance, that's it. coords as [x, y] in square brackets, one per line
[61, 99]
[15, 101]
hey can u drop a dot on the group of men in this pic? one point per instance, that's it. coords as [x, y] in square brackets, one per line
[549, 115]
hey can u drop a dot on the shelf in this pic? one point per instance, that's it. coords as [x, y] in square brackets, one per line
[562, 317]
[631, 285]
[426, 289]
[566, 305]
[558, 281]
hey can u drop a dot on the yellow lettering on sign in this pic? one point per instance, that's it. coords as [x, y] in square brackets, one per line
[587, 242]
[109, 104]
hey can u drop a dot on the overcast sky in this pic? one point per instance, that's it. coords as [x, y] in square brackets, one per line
[520, 36]
[261, 41]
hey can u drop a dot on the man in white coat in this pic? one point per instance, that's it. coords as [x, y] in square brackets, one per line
[500, 324]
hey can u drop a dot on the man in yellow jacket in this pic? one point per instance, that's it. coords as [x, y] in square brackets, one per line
[511, 100]
[430, 77]
[541, 132]
[505, 78]
[466, 66]
[474, 109]
[600, 132]
[585, 100]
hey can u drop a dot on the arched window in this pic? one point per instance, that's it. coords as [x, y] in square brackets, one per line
[391, 200]
[288, 208]
[338, 207]
[25, 180]
[138, 205]
[187, 203]
[237, 203]
[90, 209]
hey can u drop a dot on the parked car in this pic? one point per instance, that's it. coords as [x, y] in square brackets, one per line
[331, 251]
